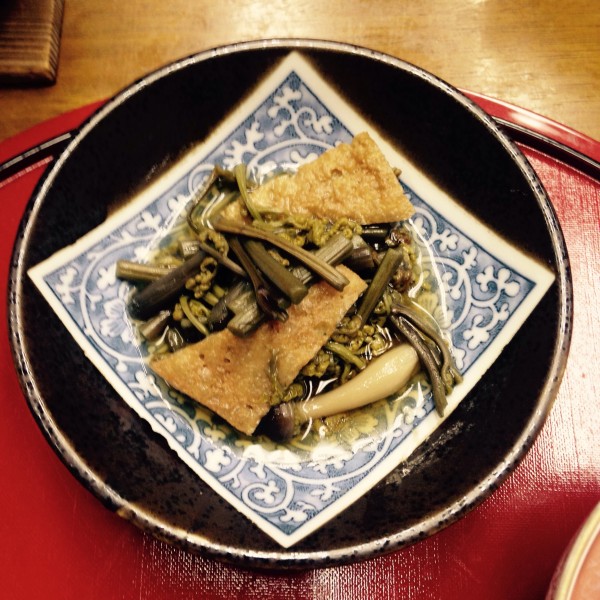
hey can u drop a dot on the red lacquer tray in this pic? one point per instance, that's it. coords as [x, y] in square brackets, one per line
[58, 541]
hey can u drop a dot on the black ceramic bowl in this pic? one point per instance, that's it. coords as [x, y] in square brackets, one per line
[131, 469]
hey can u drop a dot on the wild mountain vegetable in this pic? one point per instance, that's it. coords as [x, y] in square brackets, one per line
[237, 274]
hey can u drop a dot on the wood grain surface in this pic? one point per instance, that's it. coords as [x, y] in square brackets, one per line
[541, 54]
[29, 41]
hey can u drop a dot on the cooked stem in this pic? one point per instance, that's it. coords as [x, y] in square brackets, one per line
[226, 262]
[426, 324]
[247, 264]
[389, 265]
[334, 251]
[188, 248]
[236, 299]
[361, 257]
[191, 317]
[248, 317]
[241, 178]
[161, 292]
[375, 231]
[139, 272]
[265, 298]
[214, 207]
[247, 320]
[384, 376]
[239, 297]
[200, 194]
[175, 339]
[279, 276]
[348, 356]
[324, 270]
[155, 327]
[438, 387]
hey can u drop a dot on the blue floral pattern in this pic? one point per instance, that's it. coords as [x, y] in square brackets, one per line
[287, 490]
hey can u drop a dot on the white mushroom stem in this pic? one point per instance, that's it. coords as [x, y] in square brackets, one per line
[384, 376]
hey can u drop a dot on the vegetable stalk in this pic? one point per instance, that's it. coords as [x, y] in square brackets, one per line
[241, 177]
[266, 299]
[139, 272]
[323, 269]
[161, 292]
[390, 263]
[428, 360]
[333, 252]
[428, 327]
[290, 285]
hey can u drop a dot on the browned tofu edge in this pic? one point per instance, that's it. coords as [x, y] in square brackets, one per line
[233, 375]
[332, 187]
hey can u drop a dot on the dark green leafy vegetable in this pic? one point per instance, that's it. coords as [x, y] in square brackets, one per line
[290, 285]
[429, 328]
[138, 272]
[248, 317]
[266, 297]
[427, 358]
[161, 292]
[323, 269]
[390, 263]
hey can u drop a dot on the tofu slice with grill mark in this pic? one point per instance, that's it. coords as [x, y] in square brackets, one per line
[233, 375]
[351, 180]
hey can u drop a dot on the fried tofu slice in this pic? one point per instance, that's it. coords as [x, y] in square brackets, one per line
[351, 180]
[233, 376]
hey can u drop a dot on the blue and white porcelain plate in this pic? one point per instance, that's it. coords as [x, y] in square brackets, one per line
[486, 291]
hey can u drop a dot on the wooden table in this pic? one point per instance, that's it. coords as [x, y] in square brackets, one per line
[60, 542]
[543, 55]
